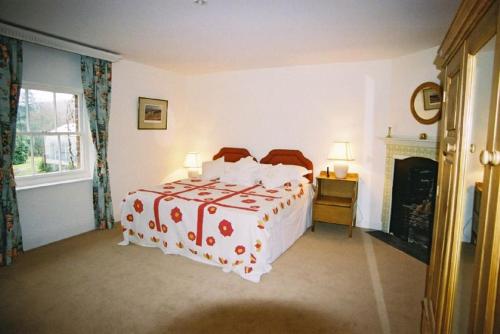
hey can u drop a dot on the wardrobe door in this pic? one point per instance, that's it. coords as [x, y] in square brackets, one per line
[480, 59]
[485, 298]
[436, 312]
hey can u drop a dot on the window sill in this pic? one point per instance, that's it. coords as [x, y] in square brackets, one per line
[55, 183]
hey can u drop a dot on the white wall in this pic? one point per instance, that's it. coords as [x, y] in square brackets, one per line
[407, 73]
[142, 157]
[309, 107]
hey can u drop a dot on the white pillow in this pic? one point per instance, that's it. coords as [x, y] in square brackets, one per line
[212, 169]
[274, 177]
[277, 175]
[243, 172]
[294, 172]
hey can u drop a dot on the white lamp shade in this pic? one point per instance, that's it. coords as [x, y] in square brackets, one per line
[340, 151]
[192, 160]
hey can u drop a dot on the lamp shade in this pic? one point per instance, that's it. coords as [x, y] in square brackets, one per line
[340, 151]
[192, 160]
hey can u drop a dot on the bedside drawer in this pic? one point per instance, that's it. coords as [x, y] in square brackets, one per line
[332, 214]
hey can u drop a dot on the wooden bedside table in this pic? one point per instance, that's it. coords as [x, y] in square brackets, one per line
[336, 200]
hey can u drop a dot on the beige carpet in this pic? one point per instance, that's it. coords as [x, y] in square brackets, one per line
[325, 283]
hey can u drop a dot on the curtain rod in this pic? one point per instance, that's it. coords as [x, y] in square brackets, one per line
[36, 37]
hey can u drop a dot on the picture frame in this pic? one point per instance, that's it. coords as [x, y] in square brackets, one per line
[432, 99]
[152, 114]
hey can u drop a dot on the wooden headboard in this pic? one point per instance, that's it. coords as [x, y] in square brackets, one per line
[232, 154]
[289, 157]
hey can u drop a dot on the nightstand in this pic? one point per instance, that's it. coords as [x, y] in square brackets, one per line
[336, 199]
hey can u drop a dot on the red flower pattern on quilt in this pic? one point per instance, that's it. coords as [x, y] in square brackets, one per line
[191, 236]
[239, 249]
[164, 228]
[248, 201]
[138, 206]
[210, 241]
[225, 228]
[204, 193]
[130, 218]
[151, 224]
[212, 210]
[176, 215]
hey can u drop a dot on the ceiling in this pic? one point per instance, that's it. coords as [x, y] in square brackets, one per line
[221, 35]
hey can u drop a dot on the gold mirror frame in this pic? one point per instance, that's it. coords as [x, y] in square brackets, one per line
[420, 88]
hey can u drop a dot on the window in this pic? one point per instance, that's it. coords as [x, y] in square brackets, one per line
[51, 139]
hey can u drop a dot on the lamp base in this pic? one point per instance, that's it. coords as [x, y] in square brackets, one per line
[193, 173]
[340, 170]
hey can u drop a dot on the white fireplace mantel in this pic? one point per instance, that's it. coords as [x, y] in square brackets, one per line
[401, 148]
[411, 141]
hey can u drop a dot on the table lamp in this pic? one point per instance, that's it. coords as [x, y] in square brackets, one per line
[193, 164]
[340, 153]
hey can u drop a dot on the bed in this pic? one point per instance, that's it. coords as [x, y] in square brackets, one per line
[240, 228]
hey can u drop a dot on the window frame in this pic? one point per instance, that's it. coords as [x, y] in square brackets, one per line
[86, 159]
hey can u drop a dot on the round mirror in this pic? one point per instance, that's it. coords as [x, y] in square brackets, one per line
[426, 103]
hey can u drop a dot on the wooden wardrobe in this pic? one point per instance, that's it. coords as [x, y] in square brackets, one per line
[462, 288]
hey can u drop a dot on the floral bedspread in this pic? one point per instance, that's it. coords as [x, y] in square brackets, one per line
[222, 224]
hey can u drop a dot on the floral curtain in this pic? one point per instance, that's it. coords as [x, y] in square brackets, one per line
[11, 64]
[96, 79]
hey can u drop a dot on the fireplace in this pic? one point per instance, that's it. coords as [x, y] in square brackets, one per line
[409, 195]
[413, 198]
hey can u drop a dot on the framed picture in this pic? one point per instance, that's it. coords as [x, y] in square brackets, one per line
[152, 114]
[432, 99]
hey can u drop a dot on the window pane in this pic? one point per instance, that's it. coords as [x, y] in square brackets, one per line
[41, 110]
[22, 156]
[46, 154]
[70, 152]
[67, 112]
[21, 123]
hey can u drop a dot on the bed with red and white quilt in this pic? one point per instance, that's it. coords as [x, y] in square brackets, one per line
[240, 228]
